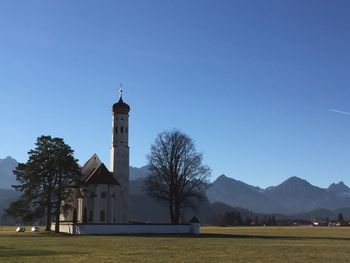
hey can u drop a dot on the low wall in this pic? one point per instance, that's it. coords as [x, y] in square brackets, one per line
[111, 229]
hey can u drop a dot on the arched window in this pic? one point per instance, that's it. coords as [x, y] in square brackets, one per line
[102, 216]
[116, 129]
[126, 129]
[121, 129]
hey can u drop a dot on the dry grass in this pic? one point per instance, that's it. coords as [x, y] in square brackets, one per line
[231, 244]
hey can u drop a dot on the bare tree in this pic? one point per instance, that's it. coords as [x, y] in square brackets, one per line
[178, 176]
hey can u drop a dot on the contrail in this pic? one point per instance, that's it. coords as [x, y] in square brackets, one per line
[339, 111]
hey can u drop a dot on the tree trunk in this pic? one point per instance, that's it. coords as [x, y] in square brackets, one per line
[49, 204]
[48, 213]
[58, 204]
[177, 212]
[171, 211]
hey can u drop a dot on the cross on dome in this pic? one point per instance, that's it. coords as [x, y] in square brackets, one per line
[120, 91]
[121, 107]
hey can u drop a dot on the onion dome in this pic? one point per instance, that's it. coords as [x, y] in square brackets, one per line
[121, 107]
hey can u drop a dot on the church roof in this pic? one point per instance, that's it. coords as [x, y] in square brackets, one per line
[121, 107]
[101, 175]
[90, 165]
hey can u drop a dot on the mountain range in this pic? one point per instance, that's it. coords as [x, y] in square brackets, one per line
[295, 196]
[7, 178]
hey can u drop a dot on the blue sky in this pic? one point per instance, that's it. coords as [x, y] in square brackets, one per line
[252, 82]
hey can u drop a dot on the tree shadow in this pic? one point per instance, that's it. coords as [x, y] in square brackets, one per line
[215, 235]
[36, 235]
[234, 236]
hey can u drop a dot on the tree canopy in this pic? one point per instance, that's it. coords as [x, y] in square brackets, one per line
[178, 176]
[44, 181]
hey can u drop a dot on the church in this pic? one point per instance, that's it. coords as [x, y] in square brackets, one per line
[101, 195]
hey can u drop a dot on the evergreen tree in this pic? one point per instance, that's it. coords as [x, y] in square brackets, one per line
[248, 221]
[231, 219]
[239, 219]
[340, 218]
[256, 221]
[44, 180]
[273, 220]
[270, 221]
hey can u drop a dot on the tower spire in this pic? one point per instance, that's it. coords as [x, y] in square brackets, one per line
[120, 91]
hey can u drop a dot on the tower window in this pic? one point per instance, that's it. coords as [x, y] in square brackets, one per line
[121, 129]
[102, 216]
[116, 129]
[126, 129]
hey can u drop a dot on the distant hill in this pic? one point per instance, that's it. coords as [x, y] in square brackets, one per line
[298, 195]
[7, 196]
[7, 178]
[294, 195]
[137, 173]
[339, 189]
[238, 194]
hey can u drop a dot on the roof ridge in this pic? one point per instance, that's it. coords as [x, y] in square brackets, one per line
[102, 175]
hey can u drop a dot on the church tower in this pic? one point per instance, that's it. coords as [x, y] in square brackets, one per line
[119, 162]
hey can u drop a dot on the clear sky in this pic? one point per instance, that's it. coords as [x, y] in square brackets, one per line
[252, 82]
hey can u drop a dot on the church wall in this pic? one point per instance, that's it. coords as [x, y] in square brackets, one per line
[90, 229]
[89, 203]
[102, 204]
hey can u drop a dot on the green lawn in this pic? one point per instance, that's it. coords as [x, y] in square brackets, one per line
[231, 244]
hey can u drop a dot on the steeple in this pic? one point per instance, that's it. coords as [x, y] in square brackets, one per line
[119, 158]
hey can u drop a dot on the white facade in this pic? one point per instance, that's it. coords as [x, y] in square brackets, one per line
[96, 199]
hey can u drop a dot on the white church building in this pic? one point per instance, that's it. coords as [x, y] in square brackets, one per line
[100, 196]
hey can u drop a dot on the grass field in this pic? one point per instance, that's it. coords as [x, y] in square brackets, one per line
[231, 244]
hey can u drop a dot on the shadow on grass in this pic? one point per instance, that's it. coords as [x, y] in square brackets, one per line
[214, 235]
[233, 236]
[8, 252]
[201, 236]
[35, 235]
